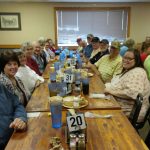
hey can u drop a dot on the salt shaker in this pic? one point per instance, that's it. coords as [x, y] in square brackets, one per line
[81, 142]
[73, 143]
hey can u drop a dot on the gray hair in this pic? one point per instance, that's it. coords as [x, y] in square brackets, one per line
[25, 45]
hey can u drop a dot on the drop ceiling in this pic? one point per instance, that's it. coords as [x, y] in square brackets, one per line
[75, 1]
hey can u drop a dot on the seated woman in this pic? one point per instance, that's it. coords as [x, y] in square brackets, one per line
[146, 52]
[132, 81]
[12, 115]
[79, 42]
[8, 68]
[48, 53]
[28, 50]
[38, 57]
[51, 45]
[28, 76]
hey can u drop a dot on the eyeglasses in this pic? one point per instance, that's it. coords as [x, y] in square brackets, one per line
[128, 58]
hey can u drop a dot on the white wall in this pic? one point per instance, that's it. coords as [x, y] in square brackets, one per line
[37, 20]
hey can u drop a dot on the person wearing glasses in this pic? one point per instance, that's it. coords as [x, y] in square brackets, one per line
[129, 83]
[109, 65]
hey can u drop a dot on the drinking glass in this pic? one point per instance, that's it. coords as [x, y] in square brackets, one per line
[56, 111]
[85, 86]
[56, 66]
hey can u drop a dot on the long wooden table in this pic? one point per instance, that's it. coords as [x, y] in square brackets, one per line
[102, 134]
[39, 99]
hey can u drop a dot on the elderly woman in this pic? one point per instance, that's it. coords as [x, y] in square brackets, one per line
[28, 76]
[51, 45]
[129, 83]
[79, 42]
[28, 50]
[8, 68]
[48, 53]
[12, 115]
[38, 56]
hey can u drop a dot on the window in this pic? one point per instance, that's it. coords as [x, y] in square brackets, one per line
[109, 23]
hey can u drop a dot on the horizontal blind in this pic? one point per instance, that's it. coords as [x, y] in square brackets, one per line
[112, 24]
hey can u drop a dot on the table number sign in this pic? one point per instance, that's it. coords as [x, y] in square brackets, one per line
[76, 122]
[68, 78]
[73, 62]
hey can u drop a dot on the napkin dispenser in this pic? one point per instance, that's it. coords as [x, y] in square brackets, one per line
[76, 131]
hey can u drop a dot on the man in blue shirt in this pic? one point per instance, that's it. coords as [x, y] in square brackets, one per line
[88, 50]
[12, 115]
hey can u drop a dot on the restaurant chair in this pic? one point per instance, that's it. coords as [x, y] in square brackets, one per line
[140, 125]
[136, 110]
[147, 140]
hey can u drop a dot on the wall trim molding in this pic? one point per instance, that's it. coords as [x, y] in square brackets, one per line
[11, 46]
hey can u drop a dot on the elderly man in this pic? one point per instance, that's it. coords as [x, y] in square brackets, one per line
[108, 65]
[12, 115]
[88, 50]
[96, 46]
[102, 49]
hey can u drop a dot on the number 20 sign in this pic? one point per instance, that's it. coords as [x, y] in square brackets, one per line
[76, 122]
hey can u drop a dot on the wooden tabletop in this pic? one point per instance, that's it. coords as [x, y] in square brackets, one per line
[102, 134]
[39, 99]
[46, 73]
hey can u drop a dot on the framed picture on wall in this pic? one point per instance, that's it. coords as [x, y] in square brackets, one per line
[10, 21]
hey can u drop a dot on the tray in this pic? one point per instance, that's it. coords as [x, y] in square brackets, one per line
[68, 102]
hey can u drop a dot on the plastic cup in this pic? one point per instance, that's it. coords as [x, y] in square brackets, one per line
[53, 77]
[52, 69]
[85, 86]
[56, 111]
[56, 66]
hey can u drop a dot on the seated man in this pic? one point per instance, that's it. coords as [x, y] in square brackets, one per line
[103, 50]
[12, 115]
[108, 65]
[128, 43]
[88, 50]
